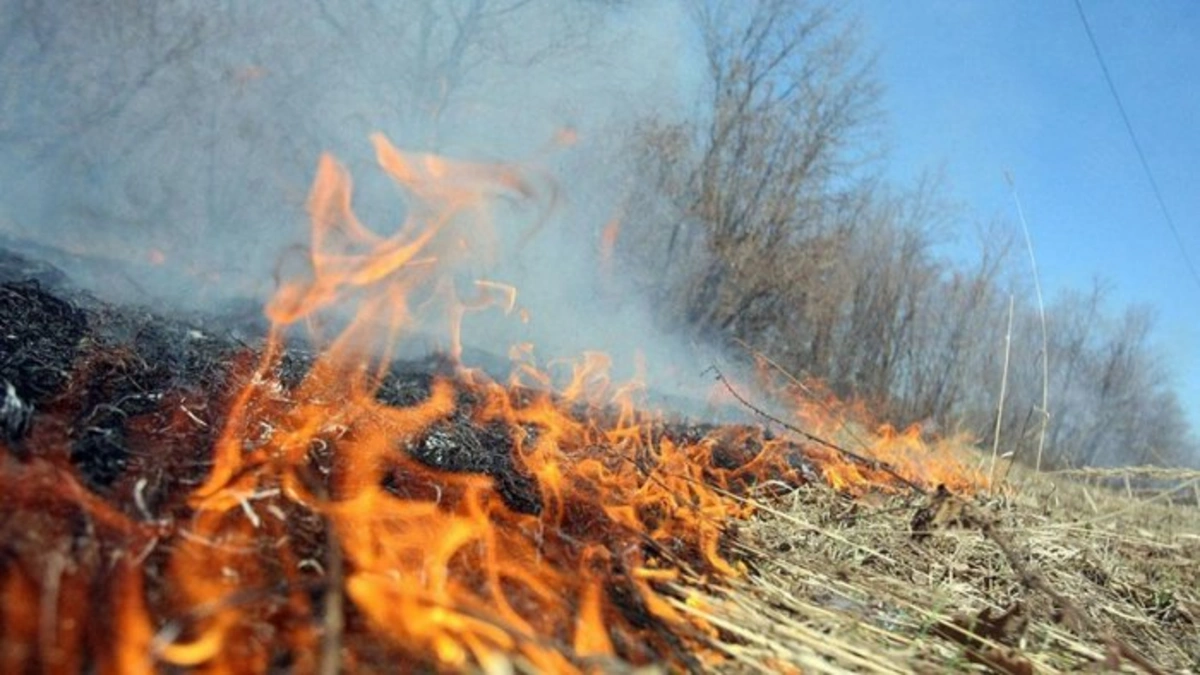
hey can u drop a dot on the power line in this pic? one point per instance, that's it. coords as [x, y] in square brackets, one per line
[1162, 204]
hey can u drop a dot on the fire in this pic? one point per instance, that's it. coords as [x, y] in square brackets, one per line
[906, 453]
[550, 549]
[463, 523]
[608, 242]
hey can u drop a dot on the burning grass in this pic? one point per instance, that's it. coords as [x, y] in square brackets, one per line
[175, 499]
[107, 563]
[444, 521]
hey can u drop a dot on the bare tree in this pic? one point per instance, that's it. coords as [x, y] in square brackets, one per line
[947, 349]
[764, 165]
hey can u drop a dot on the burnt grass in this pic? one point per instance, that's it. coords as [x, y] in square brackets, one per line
[104, 373]
[126, 404]
[109, 416]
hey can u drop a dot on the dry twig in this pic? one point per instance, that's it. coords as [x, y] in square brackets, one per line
[870, 462]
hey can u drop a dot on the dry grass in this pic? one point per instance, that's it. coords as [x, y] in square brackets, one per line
[840, 584]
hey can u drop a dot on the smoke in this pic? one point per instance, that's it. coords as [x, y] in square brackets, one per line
[162, 152]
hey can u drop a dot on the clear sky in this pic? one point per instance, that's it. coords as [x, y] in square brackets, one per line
[983, 87]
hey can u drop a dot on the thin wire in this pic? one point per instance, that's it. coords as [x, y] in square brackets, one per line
[1162, 204]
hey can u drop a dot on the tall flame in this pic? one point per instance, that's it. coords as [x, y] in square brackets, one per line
[445, 520]
[553, 557]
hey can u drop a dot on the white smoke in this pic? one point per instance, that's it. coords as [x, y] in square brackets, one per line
[162, 152]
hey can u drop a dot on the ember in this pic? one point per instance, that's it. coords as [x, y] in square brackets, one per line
[174, 498]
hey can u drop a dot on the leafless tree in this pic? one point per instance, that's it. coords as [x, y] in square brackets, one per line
[758, 218]
[764, 165]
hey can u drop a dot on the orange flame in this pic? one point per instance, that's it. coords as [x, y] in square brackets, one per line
[441, 562]
[848, 424]
[464, 522]
[608, 241]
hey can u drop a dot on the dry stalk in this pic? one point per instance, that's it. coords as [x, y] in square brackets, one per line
[812, 396]
[870, 462]
[1003, 392]
[334, 619]
[1037, 286]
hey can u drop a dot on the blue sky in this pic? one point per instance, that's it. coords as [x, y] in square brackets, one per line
[979, 88]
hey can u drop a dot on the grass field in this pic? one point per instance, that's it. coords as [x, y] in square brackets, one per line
[1046, 574]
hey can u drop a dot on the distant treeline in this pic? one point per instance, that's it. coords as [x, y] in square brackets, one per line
[757, 213]
[762, 219]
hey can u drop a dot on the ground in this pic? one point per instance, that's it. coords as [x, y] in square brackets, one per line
[841, 584]
[108, 420]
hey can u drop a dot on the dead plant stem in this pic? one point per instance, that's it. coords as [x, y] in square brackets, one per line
[861, 459]
[1003, 392]
[334, 618]
[1044, 412]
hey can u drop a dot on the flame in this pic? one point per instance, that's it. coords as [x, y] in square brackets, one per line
[465, 522]
[608, 242]
[849, 425]
[566, 136]
[453, 566]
